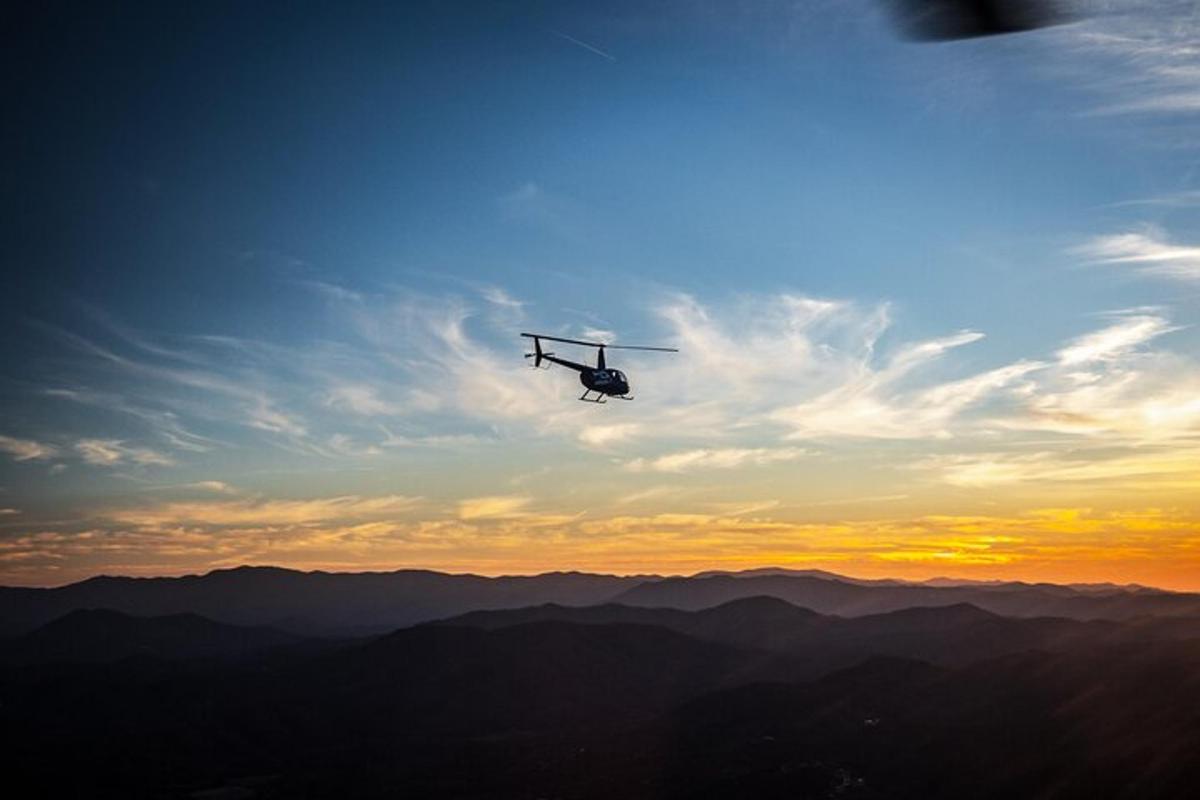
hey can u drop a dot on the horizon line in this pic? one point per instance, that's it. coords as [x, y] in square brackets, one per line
[713, 572]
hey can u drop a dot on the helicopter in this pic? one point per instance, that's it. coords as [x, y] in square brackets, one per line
[602, 380]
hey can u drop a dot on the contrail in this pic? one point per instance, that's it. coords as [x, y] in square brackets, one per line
[584, 45]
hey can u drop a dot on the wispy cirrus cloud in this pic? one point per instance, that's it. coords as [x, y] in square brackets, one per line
[159, 422]
[491, 507]
[1141, 58]
[244, 512]
[499, 297]
[26, 449]
[1110, 383]
[1168, 469]
[218, 487]
[113, 452]
[718, 458]
[810, 368]
[1180, 199]
[1130, 330]
[195, 383]
[604, 435]
[363, 399]
[1149, 251]
[756, 377]
[866, 409]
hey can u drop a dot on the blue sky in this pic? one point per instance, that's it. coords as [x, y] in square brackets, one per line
[267, 270]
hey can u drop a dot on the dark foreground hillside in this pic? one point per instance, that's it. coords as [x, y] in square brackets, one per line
[754, 699]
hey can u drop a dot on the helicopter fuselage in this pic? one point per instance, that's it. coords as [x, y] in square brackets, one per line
[607, 381]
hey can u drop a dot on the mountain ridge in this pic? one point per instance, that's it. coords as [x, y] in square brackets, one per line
[341, 603]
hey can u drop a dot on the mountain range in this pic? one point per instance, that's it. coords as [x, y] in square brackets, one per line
[266, 683]
[374, 602]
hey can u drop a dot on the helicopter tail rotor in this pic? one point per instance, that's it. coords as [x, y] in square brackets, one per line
[537, 355]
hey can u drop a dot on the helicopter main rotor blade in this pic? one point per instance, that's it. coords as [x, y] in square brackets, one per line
[598, 344]
[638, 347]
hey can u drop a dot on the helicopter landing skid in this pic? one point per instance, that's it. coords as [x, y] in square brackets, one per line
[598, 399]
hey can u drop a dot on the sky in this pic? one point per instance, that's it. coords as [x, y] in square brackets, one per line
[935, 303]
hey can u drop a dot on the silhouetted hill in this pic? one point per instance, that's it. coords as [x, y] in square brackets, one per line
[748, 622]
[531, 676]
[801, 573]
[1080, 724]
[950, 635]
[828, 596]
[103, 635]
[600, 710]
[306, 602]
[360, 603]
[419, 693]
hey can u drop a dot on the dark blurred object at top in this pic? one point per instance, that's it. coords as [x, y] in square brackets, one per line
[935, 20]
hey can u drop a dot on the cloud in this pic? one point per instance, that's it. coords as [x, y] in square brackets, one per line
[274, 513]
[727, 383]
[1181, 199]
[503, 536]
[1116, 341]
[804, 368]
[112, 452]
[496, 506]
[872, 405]
[651, 493]
[343, 445]
[757, 377]
[1150, 252]
[362, 399]
[498, 297]
[159, 422]
[1108, 383]
[1141, 58]
[227, 386]
[217, 487]
[262, 414]
[333, 292]
[592, 334]
[393, 439]
[534, 206]
[765, 365]
[26, 449]
[722, 458]
[1170, 469]
[603, 435]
